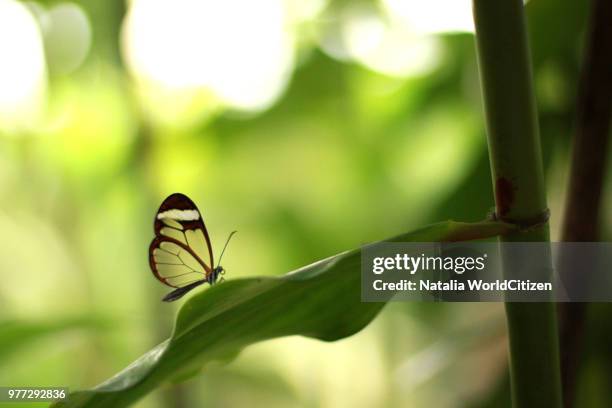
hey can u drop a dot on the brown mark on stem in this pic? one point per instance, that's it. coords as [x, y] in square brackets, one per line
[504, 196]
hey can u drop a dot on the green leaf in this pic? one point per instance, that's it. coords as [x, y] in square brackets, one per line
[322, 300]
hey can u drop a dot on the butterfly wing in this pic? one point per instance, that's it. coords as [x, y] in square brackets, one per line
[180, 254]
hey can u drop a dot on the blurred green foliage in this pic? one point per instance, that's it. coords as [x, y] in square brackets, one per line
[345, 156]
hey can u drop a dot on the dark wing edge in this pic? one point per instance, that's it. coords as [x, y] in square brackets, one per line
[157, 242]
[180, 292]
[180, 201]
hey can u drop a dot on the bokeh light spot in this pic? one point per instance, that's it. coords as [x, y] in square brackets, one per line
[22, 67]
[240, 50]
[67, 34]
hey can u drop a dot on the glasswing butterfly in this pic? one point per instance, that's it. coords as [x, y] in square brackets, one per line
[181, 254]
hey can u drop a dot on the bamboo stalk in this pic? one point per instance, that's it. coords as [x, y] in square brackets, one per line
[588, 169]
[520, 198]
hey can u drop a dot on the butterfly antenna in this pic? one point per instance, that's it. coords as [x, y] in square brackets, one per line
[225, 246]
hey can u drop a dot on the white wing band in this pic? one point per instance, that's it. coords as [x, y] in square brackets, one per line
[180, 215]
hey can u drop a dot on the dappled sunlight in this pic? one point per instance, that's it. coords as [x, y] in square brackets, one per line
[241, 51]
[22, 68]
[378, 42]
[426, 17]
[89, 128]
[67, 35]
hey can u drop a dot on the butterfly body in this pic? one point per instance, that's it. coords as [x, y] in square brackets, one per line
[214, 275]
[181, 254]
